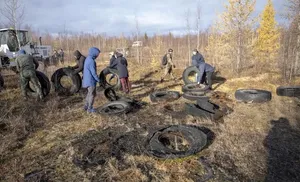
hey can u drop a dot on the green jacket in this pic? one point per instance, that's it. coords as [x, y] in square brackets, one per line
[26, 62]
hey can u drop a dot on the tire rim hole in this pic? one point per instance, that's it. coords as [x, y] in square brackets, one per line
[192, 76]
[66, 82]
[174, 141]
[111, 79]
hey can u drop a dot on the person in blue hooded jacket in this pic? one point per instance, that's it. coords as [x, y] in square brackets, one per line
[90, 78]
[206, 72]
[197, 58]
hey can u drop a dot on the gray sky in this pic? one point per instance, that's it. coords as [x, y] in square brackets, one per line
[114, 17]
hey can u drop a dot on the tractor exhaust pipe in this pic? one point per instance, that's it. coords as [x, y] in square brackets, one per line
[40, 40]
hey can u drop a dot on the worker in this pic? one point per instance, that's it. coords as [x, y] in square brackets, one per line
[123, 72]
[169, 65]
[79, 62]
[112, 63]
[206, 72]
[197, 58]
[90, 78]
[61, 56]
[26, 66]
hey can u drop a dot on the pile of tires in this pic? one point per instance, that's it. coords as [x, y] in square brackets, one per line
[191, 90]
[164, 96]
[104, 83]
[253, 95]
[189, 140]
[59, 88]
[44, 83]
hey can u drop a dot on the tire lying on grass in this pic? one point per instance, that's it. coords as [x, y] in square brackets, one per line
[187, 72]
[194, 96]
[194, 87]
[253, 95]
[59, 88]
[115, 108]
[104, 83]
[207, 106]
[195, 110]
[160, 96]
[110, 94]
[288, 91]
[176, 142]
[44, 82]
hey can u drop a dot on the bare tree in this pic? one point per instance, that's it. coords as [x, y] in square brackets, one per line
[198, 21]
[137, 33]
[13, 11]
[188, 29]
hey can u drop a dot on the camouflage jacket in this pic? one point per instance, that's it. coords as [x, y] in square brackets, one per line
[26, 62]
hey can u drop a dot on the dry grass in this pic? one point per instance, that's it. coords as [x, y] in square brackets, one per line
[41, 136]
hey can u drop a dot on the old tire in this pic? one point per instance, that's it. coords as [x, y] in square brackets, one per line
[187, 72]
[104, 83]
[253, 95]
[59, 88]
[207, 105]
[115, 108]
[160, 96]
[194, 96]
[44, 82]
[195, 110]
[1, 81]
[110, 94]
[288, 91]
[156, 144]
[194, 87]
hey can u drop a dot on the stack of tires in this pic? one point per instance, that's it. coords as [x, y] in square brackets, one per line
[59, 88]
[191, 90]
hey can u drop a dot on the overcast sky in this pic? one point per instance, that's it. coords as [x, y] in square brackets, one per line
[114, 17]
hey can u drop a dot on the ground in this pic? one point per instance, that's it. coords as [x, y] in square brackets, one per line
[57, 141]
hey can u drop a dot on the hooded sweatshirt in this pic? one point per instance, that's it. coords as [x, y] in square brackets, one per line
[90, 77]
[26, 62]
[122, 66]
[80, 62]
[197, 59]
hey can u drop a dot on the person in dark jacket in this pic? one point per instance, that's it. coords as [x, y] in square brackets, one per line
[79, 62]
[197, 58]
[90, 78]
[112, 64]
[123, 72]
[206, 72]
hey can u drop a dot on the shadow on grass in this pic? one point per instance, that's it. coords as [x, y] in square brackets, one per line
[283, 147]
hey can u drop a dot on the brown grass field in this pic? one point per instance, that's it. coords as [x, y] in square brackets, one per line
[43, 141]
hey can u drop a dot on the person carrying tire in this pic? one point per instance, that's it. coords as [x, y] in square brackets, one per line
[168, 65]
[206, 72]
[79, 62]
[90, 78]
[123, 72]
[26, 66]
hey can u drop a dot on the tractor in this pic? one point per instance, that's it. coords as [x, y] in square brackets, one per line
[11, 41]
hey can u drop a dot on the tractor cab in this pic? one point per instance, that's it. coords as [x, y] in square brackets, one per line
[13, 39]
